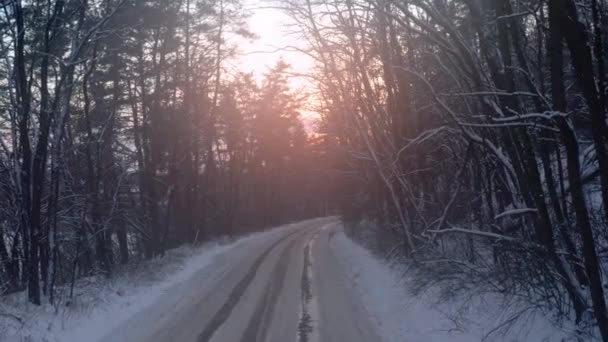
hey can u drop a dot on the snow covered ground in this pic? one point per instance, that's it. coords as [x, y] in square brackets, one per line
[401, 316]
[160, 297]
[99, 306]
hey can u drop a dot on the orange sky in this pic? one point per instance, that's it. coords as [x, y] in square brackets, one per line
[272, 28]
[271, 25]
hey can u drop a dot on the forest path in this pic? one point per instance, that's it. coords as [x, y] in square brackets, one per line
[288, 287]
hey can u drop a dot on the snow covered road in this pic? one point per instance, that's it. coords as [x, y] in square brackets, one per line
[287, 286]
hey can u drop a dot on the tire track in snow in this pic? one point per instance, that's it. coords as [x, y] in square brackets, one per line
[258, 325]
[307, 326]
[235, 295]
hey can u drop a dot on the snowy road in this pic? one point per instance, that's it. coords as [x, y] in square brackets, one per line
[286, 287]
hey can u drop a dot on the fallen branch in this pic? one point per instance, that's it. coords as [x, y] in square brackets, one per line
[15, 317]
[520, 211]
[475, 232]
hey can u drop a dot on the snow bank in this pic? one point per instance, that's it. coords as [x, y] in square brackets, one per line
[100, 305]
[401, 316]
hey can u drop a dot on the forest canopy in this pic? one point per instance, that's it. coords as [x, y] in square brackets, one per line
[123, 135]
[469, 137]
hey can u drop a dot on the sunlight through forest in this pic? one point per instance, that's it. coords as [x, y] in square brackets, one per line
[466, 139]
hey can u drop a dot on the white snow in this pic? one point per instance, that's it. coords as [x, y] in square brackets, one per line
[401, 316]
[99, 305]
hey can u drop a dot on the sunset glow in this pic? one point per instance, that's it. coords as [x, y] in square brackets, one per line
[425, 170]
[276, 39]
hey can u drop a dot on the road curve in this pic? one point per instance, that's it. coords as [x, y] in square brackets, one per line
[287, 286]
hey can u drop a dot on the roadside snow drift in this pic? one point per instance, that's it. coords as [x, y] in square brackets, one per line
[100, 305]
[400, 316]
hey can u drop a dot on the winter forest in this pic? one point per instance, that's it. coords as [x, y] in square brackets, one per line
[465, 138]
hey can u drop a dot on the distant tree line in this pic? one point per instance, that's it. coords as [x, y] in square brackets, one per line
[474, 134]
[123, 134]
